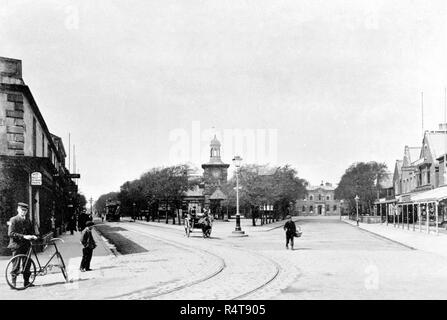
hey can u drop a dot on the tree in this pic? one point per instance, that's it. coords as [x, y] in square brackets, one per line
[260, 185]
[361, 179]
[79, 202]
[157, 187]
[100, 204]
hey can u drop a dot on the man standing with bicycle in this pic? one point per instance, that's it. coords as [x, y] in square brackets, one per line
[20, 234]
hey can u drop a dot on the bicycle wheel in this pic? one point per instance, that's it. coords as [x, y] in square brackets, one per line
[16, 266]
[62, 266]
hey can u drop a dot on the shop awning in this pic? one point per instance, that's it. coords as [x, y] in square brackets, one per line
[437, 194]
[385, 201]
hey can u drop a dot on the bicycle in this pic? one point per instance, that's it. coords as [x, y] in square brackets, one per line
[25, 265]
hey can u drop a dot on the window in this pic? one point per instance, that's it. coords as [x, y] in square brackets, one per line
[304, 208]
[49, 153]
[311, 197]
[319, 197]
[334, 208]
[311, 208]
[328, 208]
[428, 176]
[328, 197]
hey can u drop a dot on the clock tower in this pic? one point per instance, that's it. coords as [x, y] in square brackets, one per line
[215, 171]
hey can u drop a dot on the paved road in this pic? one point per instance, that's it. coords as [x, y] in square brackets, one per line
[332, 260]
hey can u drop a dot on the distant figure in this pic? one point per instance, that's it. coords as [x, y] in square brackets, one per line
[290, 228]
[72, 224]
[89, 244]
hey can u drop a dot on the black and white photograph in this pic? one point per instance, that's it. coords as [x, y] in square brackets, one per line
[205, 151]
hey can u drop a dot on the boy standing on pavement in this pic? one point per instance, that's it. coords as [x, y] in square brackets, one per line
[89, 244]
[290, 228]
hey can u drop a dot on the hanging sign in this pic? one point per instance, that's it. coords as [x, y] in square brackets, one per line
[36, 179]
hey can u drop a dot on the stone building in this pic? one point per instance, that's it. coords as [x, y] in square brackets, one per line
[208, 193]
[320, 200]
[26, 147]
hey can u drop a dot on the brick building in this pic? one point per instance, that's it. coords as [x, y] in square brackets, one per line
[27, 146]
[320, 200]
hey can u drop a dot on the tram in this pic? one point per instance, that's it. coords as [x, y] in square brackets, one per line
[113, 211]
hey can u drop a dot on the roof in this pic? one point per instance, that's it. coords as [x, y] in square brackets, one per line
[437, 142]
[415, 154]
[324, 187]
[431, 195]
[215, 142]
[411, 154]
[194, 192]
[399, 164]
[218, 195]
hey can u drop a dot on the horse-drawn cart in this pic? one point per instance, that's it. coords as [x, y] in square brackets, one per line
[202, 222]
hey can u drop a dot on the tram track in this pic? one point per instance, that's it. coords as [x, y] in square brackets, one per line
[180, 287]
[206, 281]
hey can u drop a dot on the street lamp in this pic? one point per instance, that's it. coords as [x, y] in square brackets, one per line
[357, 207]
[237, 231]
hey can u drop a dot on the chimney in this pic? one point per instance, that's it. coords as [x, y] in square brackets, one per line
[10, 71]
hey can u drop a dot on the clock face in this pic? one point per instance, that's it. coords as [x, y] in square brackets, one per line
[216, 174]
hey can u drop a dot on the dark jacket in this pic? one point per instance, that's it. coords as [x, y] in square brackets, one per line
[17, 229]
[87, 239]
[290, 227]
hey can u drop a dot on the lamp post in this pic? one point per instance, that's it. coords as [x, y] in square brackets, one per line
[341, 207]
[357, 208]
[237, 231]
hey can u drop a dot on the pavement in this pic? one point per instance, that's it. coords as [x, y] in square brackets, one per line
[416, 239]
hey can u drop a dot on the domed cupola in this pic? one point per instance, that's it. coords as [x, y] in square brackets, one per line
[215, 150]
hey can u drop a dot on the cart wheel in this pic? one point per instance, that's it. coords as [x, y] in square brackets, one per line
[19, 262]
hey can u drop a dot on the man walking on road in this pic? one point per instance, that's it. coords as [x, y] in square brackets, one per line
[89, 244]
[20, 232]
[290, 228]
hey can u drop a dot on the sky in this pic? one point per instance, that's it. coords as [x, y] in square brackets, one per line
[315, 84]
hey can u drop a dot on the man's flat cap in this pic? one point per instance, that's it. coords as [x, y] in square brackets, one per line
[89, 223]
[22, 204]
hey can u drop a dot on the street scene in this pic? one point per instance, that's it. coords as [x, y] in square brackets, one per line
[216, 151]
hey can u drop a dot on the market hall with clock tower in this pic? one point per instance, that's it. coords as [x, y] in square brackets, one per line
[215, 174]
